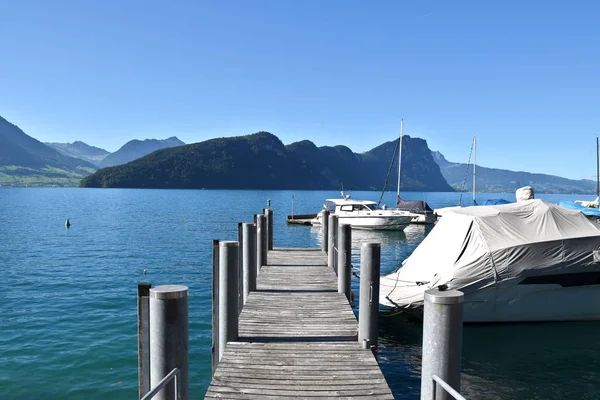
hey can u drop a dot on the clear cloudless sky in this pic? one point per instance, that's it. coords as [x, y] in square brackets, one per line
[522, 75]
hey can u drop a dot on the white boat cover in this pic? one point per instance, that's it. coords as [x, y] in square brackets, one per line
[474, 247]
[524, 193]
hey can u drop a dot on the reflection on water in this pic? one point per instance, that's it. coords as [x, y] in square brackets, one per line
[396, 246]
[503, 361]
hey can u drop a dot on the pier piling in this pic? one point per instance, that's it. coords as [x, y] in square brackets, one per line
[325, 230]
[248, 259]
[215, 305]
[332, 242]
[261, 243]
[169, 338]
[344, 259]
[368, 309]
[442, 342]
[228, 294]
[143, 338]
[269, 215]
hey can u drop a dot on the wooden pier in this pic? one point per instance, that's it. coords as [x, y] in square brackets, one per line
[297, 338]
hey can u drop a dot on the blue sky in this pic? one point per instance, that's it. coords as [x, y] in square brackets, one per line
[522, 75]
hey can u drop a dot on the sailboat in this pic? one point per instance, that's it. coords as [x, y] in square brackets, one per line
[419, 210]
[439, 212]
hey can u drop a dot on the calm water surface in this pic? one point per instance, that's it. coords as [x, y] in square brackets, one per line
[68, 325]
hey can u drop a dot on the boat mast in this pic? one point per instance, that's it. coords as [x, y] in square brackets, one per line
[474, 166]
[597, 169]
[400, 160]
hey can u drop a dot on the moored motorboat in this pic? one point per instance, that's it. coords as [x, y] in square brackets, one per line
[524, 261]
[364, 214]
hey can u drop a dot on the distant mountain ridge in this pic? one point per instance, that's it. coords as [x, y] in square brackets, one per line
[262, 161]
[502, 180]
[135, 149]
[27, 161]
[81, 150]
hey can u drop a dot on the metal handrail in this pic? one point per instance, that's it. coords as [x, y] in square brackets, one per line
[164, 381]
[446, 387]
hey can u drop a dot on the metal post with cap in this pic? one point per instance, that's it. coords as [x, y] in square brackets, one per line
[248, 259]
[332, 242]
[143, 338]
[442, 342]
[368, 306]
[324, 230]
[344, 260]
[228, 294]
[169, 338]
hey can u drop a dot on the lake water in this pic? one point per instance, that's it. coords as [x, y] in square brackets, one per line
[68, 325]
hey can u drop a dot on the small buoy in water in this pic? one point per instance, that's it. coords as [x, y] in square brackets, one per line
[67, 223]
[144, 272]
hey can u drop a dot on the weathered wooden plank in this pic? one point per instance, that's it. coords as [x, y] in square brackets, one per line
[297, 338]
[303, 393]
[246, 396]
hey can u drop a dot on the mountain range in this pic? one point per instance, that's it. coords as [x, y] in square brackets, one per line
[135, 149]
[262, 161]
[502, 180]
[27, 161]
[77, 149]
[255, 161]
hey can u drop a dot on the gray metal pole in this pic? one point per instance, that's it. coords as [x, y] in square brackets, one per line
[215, 306]
[344, 260]
[261, 246]
[169, 338]
[442, 341]
[249, 259]
[240, 272]
[332, 242]
[324, 230]
[269, 215]
[143, 338]
[228, 294]
[368, 308]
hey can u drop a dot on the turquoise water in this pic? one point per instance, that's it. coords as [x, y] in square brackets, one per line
[68, 296]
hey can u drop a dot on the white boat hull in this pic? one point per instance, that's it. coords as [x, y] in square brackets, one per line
[511, 302]
[383, 222]
[418, 218]
[530, 303]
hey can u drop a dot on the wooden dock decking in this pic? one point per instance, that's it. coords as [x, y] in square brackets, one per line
[297, 338]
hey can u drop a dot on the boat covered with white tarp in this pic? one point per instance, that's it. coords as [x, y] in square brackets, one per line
[525, 261]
